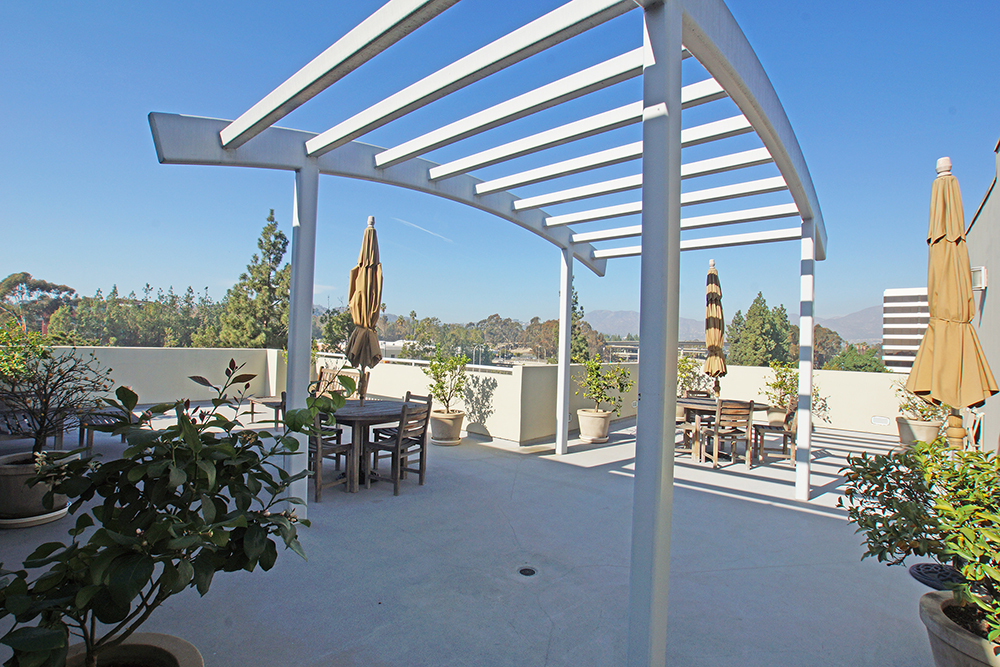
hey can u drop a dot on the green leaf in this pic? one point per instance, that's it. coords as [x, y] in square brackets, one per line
[177, 476]
[106, 609]
[253, 542]
[85, 595]
[202, 381]
[269, 556]
[209, 470]
[128, 397]
[128, 575]
[35, 639]
[243, 377]
[203, 573]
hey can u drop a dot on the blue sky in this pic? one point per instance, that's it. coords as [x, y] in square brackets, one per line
[875, 92]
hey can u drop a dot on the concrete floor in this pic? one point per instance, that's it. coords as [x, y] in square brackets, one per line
[431, 577]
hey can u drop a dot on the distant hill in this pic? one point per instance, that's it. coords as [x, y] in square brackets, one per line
[862, 326]
[624, 322]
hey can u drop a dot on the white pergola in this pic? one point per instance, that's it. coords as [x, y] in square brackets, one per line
[701, 32]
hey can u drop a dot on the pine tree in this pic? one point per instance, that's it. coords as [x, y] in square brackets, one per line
[760, 338]
[256, 307]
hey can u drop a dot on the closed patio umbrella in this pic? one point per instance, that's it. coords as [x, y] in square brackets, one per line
[950, 367]
[365, 302]
[715, 324]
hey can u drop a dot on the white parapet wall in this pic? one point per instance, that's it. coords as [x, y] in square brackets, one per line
[516, 404]
[161, 374]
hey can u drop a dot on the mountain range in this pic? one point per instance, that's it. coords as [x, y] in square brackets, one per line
[862, 326]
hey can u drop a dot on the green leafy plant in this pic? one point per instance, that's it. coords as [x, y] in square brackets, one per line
[689, 375]
[201, 496]
[604, 386]
[448, 378]
[932, 500]
[782, 390]
[18, 347]
[914, 407]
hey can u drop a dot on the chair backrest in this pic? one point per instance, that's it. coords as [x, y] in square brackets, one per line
[416, 398]
[413, 422]
[733, 415]
[329, 380]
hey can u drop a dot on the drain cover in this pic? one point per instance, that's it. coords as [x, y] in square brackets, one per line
[527, 571]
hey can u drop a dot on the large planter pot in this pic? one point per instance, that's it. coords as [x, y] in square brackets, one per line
[142, 649]
[446, 427]
[594, 424]
[951, 644]
[20, 505]
[913, 430]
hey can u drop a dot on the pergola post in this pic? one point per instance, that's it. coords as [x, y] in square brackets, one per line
[300, 308]
[658, 319]
[803, 441]
[565, 338]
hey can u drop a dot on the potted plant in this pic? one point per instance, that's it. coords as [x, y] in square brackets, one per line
[448, 378]
[602, 387]
[920, 421]
[184, 502]
[932, 500]
[782, 393]
[46, 392]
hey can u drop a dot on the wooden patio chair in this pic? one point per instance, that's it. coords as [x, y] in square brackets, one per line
[733, 423]
[409, 440]
[787, 433]
[327, 443]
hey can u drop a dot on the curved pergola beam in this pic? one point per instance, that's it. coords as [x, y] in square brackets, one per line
[183, 139]
[712, 35]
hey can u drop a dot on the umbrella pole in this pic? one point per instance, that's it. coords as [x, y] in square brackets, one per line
[362, 385]
[717, 390]
[955, 432]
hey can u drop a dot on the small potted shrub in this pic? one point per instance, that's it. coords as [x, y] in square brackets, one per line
[448, 378]
[602, 387]
[184, 502]
[932, 500]
[920, 421]
[45, 392]
[782, 393]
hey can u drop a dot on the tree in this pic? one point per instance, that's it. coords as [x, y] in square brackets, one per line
[256, 307]
[337, 327]
[827, 344]
[31, 301]
[853, 358]
[761, 338]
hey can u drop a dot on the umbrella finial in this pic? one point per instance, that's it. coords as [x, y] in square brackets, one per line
[371, 220]
[711, 263]
[944, 166]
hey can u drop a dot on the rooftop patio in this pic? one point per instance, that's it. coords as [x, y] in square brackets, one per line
[431, 577]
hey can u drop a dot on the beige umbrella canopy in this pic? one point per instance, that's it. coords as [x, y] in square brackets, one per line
[365, 303]
[715, 325]
[950, 367]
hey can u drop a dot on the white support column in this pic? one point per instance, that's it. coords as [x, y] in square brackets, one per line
[803, 442]
[300, 308]
[658, 318]
[565, 337]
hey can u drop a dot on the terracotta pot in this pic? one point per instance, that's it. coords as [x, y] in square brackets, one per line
[142, 649]
[20, 505]
[594, 424]
[951, 644]
[913, 430]
[446, 427]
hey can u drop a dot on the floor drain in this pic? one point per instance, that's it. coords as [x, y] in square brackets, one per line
[527, 571]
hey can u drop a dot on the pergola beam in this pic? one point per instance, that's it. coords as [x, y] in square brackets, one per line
[750, 238]
[560, 24]
[758, 187]
[575, 165]
[393, 21]
[610, 72]
[629, 114]
[583, 192]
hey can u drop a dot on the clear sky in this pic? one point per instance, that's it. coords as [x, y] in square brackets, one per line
[875, 93]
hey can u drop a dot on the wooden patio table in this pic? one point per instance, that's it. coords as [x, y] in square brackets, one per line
[362, 417]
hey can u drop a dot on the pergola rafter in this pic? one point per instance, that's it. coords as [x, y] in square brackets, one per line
[748, 156]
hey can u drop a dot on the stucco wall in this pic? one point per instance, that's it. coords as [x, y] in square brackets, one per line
[161, 375]
[983, 239]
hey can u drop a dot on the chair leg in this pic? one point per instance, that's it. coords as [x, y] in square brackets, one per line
[318, 473]
[423, 463]
[396, 460]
